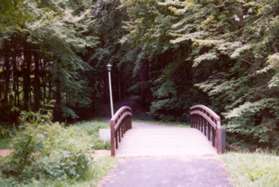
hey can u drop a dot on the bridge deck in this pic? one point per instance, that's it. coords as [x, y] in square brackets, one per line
[162, 140]
[166, 156]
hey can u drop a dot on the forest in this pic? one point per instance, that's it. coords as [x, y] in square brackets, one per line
[166, 56]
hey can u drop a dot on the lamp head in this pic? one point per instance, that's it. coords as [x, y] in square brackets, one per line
[109, 66]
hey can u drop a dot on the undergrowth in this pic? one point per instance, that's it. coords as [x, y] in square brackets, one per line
[50, 154]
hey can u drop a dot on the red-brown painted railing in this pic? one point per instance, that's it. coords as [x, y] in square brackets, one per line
[119, 124]
[209, 123]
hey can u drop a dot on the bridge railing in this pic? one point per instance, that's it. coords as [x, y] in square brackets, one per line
[209, 123]
[119, 124]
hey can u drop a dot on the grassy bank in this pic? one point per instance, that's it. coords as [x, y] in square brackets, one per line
[253, 169]
[101, 164]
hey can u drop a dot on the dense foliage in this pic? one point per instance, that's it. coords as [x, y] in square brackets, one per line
[45, 150]
[167, 56]
[228, 50]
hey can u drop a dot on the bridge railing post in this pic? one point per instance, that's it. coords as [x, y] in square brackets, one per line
[221, 140]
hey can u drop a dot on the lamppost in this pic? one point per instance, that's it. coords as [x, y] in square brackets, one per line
[109, 67]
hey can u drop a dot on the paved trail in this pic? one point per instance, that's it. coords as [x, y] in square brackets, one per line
[152, 155]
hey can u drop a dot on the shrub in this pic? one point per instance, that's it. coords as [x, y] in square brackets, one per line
[4, 132]
[5, 136]
[46, 150]
[91, 128]
[7, 130]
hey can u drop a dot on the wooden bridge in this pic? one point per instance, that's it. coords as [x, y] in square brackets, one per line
[154, 154]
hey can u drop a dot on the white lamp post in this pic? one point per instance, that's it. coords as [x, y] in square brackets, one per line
[109, 67]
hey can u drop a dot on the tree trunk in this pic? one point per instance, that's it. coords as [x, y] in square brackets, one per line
[37, 85]
[7, 70]
[144, 85]
[15, 76]
[26, 76]
[57, 113]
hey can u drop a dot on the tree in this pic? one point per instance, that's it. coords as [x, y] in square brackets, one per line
[52, 38]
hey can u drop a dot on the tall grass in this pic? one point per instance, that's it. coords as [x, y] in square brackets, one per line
[253, 169]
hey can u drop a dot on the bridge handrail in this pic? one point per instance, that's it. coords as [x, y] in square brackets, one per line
[120, 122]
[209, 123]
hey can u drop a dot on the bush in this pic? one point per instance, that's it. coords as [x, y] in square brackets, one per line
[4, 132]
[46, 150]
[91, 128]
